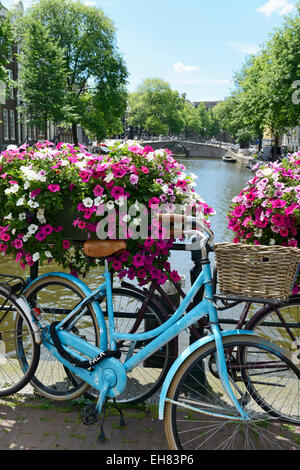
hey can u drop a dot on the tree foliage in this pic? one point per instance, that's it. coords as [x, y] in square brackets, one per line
[262, 99]
[42, 76]
[93, 68]
[5, 45]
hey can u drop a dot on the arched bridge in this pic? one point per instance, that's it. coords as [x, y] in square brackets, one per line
[189, 149]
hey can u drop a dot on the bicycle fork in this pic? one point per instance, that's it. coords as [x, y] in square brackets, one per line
[223, 373]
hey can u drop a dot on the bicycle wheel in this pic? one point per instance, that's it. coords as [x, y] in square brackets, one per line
[17, 343]
[147, 377]
[197, 396]
[282, 327]
[55, 296]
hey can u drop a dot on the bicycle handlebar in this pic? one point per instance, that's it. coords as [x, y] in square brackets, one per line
[183, 221]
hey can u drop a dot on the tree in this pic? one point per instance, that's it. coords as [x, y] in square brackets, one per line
[5, 46]
[92, 62]
[156, 108]
[42, 77]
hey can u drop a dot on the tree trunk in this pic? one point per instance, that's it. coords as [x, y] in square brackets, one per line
[46, 128]
[260, 142]
[276, 146]
[74, 130]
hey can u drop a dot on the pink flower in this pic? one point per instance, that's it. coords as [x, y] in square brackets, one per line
[138, 260]
[153, 201]
[98, 190]
[117, 192]
[133, 179]
[145, 170]
[3, 247]
[66, 244]
[54, 188]
[175, 276]
[17, 244]
[40, 236]
[116, 264]
[284, 232]
[35, 193]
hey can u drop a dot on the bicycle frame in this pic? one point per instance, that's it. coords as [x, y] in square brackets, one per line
[159, 336]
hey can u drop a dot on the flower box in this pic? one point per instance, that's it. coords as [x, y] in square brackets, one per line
[51, 195]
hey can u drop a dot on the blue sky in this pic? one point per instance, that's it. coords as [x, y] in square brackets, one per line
[195, 45]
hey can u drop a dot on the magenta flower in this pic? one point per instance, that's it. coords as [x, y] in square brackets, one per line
[98, 190]
[117, 192]
[40, 236]
[138, 260]
[116, 264]
[54, 188]
[35, 193]
[66, 244]
[17, 244]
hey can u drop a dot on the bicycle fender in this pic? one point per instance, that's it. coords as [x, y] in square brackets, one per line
[87, 291]
[27, 310]
[184, 355]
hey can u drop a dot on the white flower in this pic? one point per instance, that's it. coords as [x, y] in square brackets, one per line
[258, 233]
[8, 217]
[88, 202]
[22, 216]
[41, 217]
[32, 229]
[150, 156]
[21, 201]
[98, 201]
[33, 204]
[48, 254]
[80, 165]
[25, 238]
[11, 147]
[13, 231]
[272, 241]
[267, 171]
[126, 218]
[110, 205]
[35, 256]
[165, 188]
[26, 185]
[108, 177]
[120, 201]
[13, 189]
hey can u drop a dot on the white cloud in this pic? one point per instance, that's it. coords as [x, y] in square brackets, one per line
[282, 7]
[180, 68]
[90, 3]
[244, 47]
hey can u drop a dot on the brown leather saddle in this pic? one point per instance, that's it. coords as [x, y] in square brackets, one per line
[103, 248]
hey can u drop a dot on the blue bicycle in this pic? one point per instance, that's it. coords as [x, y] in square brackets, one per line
[229, 390]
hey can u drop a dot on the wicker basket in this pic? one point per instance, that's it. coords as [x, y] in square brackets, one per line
[257, 272]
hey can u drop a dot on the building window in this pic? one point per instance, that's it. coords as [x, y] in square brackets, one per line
[10, 88]
[12, 124]
[5, 124]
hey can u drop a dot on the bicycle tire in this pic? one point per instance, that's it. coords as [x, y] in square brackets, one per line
[52, 379]
[146, 379]
[266, 324]
[195, 384]
[17, 341]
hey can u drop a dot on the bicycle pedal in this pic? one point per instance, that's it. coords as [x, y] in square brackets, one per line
[89, 415]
